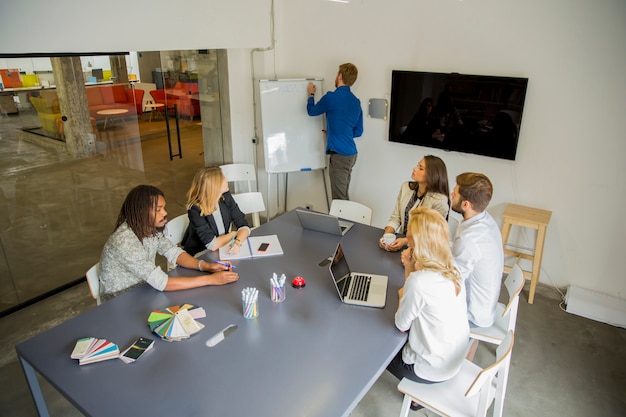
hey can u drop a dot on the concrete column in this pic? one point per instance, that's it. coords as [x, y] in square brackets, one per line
[215, 107]
[80, 138]
[119, 69]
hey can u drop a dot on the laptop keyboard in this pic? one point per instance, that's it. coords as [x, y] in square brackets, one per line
[360, 288]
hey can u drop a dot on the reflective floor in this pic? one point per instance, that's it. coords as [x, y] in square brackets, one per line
[56, 211]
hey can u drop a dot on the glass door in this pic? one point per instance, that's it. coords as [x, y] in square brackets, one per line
[64, 174]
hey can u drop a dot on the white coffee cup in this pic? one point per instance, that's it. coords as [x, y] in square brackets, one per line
[388, 238]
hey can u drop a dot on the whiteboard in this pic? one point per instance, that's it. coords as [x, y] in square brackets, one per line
[292, 140]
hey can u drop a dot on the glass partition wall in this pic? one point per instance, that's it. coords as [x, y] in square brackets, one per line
[76, 136]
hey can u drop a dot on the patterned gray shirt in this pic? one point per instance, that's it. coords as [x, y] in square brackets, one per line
[127, 262]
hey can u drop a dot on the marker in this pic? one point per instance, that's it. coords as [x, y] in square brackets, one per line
[305, 169]
[232, 241]
[225, 264]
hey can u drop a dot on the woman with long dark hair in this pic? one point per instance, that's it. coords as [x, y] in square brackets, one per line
[429, 189]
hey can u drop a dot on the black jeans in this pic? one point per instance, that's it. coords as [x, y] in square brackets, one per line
[404, 370]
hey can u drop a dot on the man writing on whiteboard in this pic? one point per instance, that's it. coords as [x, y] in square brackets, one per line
[344, 122]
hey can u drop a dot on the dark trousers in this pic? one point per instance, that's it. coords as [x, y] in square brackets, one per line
[400, 370]
[340, 170]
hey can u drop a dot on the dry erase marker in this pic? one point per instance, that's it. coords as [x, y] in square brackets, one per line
[225, 264]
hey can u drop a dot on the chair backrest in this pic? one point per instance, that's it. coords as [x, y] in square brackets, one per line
[175, 228]
[94, 283]
[483, 381]
[158, 96]
[239, 173]
[452, 226]
[251, 203]
[351, 210]
[514, 283]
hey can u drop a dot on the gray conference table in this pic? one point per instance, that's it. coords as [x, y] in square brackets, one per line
[310, 355]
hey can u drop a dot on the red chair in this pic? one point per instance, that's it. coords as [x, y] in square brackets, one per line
[159, 96]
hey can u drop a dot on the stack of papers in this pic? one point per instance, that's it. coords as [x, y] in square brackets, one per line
[250, 248]
[91, 349]
[176, 322]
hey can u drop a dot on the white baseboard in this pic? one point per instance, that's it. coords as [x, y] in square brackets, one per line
[596, 306]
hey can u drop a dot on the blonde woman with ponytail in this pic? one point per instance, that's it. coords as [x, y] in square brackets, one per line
[432, 305]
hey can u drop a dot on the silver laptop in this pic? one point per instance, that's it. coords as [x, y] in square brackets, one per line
[321, 222]
[357, 287]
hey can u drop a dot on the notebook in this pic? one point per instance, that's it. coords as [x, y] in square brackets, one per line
[320, 222]
[254, 247]
[357, 287]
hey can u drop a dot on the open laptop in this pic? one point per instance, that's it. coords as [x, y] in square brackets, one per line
[357, 287]
[321, 222]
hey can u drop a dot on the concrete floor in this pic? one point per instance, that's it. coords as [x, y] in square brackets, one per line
[562, 364]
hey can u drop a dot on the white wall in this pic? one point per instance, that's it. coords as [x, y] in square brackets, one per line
[572, 150]
[34, 26]
[572, 144]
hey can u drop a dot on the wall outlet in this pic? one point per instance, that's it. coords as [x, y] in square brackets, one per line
[309, 206]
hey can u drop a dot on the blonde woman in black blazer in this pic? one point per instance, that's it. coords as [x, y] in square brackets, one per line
[212, 210]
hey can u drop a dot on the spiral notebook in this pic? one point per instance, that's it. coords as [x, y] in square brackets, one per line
[253, 248]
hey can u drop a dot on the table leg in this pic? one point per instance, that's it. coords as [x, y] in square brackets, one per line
[105, 122]
[35, 388]
[506, 230]
[541, 237]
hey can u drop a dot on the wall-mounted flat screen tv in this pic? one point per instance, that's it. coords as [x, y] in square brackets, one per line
[465, 113]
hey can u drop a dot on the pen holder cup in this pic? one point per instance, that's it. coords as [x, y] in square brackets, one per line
[277, 293]
[251, 309]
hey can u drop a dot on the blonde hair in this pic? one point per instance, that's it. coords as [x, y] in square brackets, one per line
[430, 236]
[206, 189]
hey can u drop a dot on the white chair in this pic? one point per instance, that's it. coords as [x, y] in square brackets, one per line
[175, 228]
[351, 210]
[175, 231]
[239, 173]
[94, 283]
[506, 315]
[457, 397]
[250, 202]
[506, 318]
[453, 224]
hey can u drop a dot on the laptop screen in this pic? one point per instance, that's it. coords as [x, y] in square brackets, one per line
[339, 269]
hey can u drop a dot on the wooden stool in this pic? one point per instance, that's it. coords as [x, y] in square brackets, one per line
[533, 218]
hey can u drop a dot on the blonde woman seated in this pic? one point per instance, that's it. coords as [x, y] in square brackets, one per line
[432, 306]
[211, 210]
[429, 189]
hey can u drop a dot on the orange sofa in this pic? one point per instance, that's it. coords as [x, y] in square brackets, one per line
[117, 96]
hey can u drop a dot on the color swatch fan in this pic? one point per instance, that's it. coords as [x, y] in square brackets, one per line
[176, 322]
[91, 349]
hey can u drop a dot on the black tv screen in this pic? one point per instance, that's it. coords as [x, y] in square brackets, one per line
[465, 113]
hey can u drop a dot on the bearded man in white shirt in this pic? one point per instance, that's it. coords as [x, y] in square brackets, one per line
[477, 248]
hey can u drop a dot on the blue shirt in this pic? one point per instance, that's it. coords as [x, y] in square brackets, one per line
[344, 119]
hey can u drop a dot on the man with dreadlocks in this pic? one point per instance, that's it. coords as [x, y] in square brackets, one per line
[128, 257]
